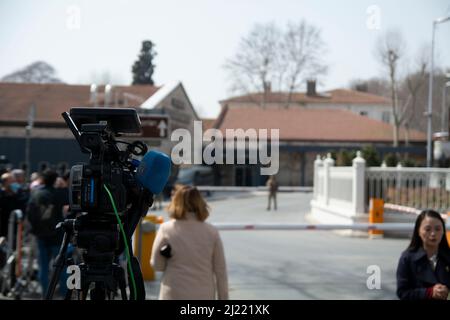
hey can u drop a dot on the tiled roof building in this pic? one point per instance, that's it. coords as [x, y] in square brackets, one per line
[52, 142]
[53, 99]
[312, 124]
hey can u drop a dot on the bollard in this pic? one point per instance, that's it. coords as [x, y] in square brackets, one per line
[376, 212]
[143, 244]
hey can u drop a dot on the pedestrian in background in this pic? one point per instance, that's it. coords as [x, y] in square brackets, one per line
[23, 193]
[272, 184]
[157, 201]
[190, 251]
[424, 268]
[19, 177]
[35, 180]
[12, 197]
[44, 212]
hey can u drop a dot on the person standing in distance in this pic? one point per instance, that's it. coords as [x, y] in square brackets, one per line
[272, 184]
[189, 251]
[424, 267]
[44, 212]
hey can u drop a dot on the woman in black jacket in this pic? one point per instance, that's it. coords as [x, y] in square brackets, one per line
[424, 268]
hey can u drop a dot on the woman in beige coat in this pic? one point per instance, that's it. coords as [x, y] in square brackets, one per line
[189, 251]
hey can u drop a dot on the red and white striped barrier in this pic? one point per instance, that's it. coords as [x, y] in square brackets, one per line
[404, 209]
[304, 226]
[253, 189]
[400, 208]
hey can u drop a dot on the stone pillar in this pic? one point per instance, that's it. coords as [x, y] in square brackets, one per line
[327, 163]
[398, 185]
[317, 165]
[358, 191]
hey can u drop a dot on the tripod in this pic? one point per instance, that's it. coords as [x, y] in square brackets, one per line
[99, 267]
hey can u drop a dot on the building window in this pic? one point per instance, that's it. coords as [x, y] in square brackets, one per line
[386, 116]
[363, 113]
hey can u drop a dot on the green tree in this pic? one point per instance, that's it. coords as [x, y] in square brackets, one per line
[408, 163]
[391, 160]
[371, 156]
[37, 72]
[143, 67]
[344, 158]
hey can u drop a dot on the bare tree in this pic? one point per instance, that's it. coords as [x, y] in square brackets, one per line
[390, 51]
[404, 91]
[414, 82]
[37, 72]
[271, 59]
[253, 68]
[301, 53]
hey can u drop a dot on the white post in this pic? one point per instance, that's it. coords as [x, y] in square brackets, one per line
[327, 163]
[317, 164]
[398, 184]
[359, 168]
[430, 92]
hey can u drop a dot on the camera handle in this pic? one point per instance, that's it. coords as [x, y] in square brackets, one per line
[60, 258]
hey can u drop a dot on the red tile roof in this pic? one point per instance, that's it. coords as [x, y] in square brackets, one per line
[53, 99]
[312, 124]
[338, 96]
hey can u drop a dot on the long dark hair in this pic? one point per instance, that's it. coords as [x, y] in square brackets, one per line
[416, 241]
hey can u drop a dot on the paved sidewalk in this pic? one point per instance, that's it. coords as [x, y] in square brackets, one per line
[297, 264]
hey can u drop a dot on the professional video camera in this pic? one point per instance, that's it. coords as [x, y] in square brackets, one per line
[108, 196]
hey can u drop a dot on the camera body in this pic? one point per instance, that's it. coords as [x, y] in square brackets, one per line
[85, 188]
[96, 227]
[108, 166]
[108, 196]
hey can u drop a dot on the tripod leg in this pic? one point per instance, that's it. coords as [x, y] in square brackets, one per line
[68, 294]
[123, 292]
[140, 287]
[84, 293]
[58, 267]
[120, 275]
[99, 292]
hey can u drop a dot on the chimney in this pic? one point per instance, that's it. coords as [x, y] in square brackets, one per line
[362, 87]
[311, 88]
[93, 95]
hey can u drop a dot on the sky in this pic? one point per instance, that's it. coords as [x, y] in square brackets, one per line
[84, 39]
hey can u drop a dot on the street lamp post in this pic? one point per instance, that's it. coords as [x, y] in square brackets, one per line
[445, 113]
[430, 91]
[28, 128]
